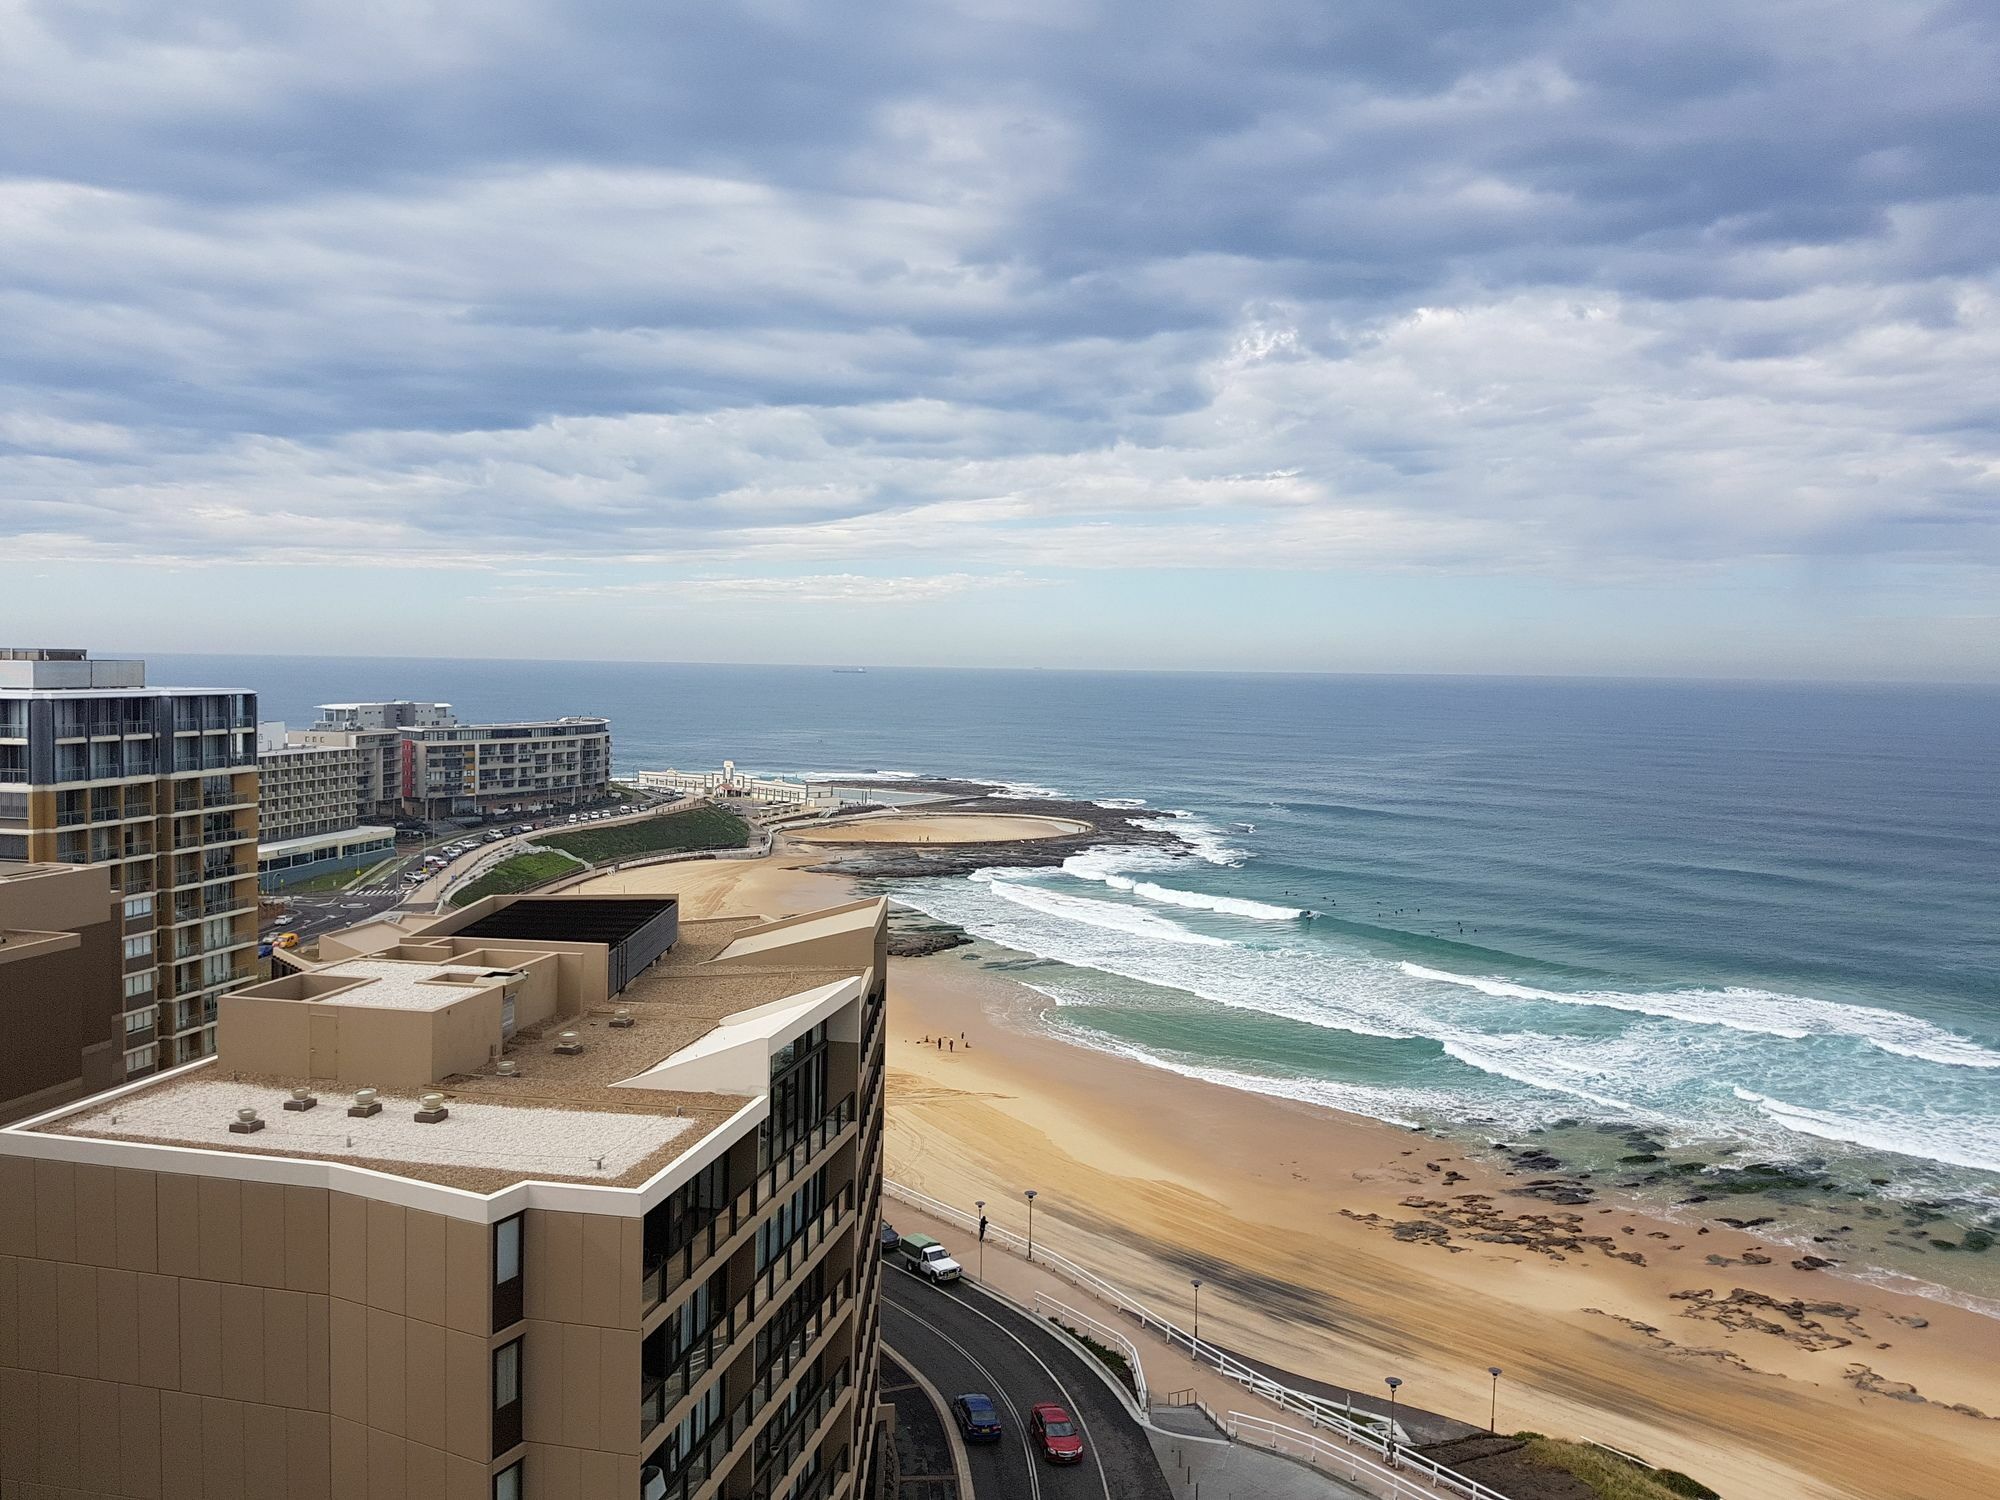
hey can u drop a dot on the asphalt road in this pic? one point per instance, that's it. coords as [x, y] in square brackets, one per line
[963, 1340]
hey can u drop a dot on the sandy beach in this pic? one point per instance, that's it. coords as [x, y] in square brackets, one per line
[1349, 1250]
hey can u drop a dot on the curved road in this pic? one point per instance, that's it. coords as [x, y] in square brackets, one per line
[963, 1340]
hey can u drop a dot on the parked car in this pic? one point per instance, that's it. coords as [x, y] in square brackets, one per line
[1055, 1434]
[929, 1259]
[890, 1239]
[978, 1419]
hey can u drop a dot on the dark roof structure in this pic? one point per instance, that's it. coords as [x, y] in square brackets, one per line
[637, 929]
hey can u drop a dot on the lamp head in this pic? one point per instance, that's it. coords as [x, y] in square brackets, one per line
[1494, 1371]
[1392, 1382]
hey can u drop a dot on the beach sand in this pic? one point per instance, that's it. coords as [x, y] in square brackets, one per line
[1290, 1215]
[940, 828]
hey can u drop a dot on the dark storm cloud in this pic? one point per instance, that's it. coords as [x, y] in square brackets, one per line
[1534, 285]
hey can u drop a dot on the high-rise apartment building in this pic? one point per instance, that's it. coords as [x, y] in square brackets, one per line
[417, 760]
[547, 1199]
[159, 784]
[61, 987]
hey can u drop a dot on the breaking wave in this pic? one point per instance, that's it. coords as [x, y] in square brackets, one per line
[1764, 1012]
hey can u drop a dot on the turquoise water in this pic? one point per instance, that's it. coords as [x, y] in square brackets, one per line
[1757, 922]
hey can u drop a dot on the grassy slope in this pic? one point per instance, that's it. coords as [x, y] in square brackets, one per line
[698, 828]
[522, 872]
[1610, 1476]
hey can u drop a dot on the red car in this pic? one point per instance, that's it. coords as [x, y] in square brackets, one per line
[1060, 1440]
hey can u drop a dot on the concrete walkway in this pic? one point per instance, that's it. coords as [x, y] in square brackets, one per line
[1222, 1470]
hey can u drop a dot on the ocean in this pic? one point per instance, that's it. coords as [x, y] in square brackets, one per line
[1751, 922]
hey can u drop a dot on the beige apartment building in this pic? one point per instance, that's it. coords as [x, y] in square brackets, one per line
[60, 941]
[550, 1197]
[309, 812]
[159, 785]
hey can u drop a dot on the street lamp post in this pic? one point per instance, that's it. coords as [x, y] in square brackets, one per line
[1493, 1408]
[980, 1204]
[1390, 1453]
[1195, 1282]
[1031, 1225]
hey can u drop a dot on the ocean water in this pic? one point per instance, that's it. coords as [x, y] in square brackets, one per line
[1757, 922]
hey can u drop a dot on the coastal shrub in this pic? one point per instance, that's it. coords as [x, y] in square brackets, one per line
[521, 873]
[1612, 1477]
[1110, 1358]
[676, 833]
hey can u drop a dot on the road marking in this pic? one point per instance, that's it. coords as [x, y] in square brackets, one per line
[1020, 1426]
[1075, 1410]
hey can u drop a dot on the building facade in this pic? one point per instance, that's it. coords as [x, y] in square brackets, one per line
[159, 784]
[416, 760]
[484, 770]
[307, 789]
[620, 1244]
[309, 812]
[60, 940]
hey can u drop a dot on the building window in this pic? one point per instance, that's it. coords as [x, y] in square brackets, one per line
[508, 1284]
[138, 1060]
[139, 986]
[139, 946]
[507, 1483]
[140, 1020]
[506, 1397]
[138, 906]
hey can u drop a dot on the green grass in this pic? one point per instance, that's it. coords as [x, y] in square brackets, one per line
[521, 873]
[1611, 1476]
[698, 828]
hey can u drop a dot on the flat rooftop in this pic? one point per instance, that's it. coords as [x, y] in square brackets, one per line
[403, 984]
[555, 1120]
[514, 1139]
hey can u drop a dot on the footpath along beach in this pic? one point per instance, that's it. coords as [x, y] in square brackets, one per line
[1349, 1250]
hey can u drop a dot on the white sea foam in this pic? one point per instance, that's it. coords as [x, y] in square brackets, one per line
[1765, 1012]
[1105, 914]
[1500, 1056]
[1108, 867]
[1021, 791]
[1203, 838]
[1958, 1142]
[859, 775]
[1120, 804]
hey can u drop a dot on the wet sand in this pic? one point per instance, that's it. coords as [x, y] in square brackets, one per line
[1340, 1247]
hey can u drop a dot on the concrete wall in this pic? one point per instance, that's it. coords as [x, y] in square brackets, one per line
[63, 1002]
[181, 1338]
[358, 1046]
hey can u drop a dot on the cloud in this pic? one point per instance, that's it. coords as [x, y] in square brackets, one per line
[1581, 292]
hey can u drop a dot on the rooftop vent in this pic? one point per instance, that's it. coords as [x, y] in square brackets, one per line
[623, 1018]
[246, 1122]
[507, 1068]
[569, 1043]
[433, 1110]
[302, 1099]
[365, 1104]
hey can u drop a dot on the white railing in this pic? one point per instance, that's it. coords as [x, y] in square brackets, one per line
[1082, 1322]
[1364, 1429]
[1415, 1480]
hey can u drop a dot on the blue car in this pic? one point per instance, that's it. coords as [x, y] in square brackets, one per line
[978, 1419]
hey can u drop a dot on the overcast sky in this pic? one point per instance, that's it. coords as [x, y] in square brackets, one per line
[1610, 337]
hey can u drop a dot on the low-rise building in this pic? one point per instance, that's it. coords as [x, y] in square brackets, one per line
[486, 1205]
[62, 988]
